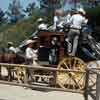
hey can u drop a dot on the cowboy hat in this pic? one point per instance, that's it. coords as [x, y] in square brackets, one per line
[35, 37]
[81, 10]
[29, 42]
[10, 43]
[40, 19]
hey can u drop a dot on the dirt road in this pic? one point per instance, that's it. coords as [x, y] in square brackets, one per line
[8, 92]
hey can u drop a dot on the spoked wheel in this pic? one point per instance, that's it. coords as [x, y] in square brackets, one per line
[93, 76]
[71, 80]
[20, 74]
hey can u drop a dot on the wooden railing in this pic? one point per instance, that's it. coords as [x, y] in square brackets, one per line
[86, 91]
[95, 92]
[44, 68]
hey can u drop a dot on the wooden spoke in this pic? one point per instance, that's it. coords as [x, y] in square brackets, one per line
[73, 85]
[70, 66]
[66, 65]
[74, 63]
[81, 78]
[69, 84]
[20, 74]
[76, 83]
[62, 85]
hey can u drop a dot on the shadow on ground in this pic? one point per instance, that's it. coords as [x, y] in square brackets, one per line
[3, 99]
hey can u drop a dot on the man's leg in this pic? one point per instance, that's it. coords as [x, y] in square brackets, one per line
[0, 72]
[69, 41]
[75, 44]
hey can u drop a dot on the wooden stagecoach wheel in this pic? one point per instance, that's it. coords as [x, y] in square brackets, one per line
[20, 74]
[71, 80]
[93, 76]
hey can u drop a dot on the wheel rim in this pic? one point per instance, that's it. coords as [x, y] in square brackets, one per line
[20, 74]
[71, 80]
[93, 76]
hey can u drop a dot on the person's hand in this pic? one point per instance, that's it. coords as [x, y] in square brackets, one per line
[41, 46]
[89, 37]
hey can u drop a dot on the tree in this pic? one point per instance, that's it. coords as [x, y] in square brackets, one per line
[30, 8]
[1, 16]
[15, 11]
[49, 5]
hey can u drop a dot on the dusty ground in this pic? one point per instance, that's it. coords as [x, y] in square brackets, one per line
[8, 92]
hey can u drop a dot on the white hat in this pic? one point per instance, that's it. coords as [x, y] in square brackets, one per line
[11, 43]
[40, 19]
[81, 10]
[59, 11]
[55, 38]
[29, 41]
[35, 37]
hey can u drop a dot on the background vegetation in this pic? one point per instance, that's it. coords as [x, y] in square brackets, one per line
[17, 26]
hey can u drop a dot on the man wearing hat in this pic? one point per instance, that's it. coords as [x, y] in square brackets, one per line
[31, 54]
[31, 57]
[11, 47]
[76, 22]
[42, 24]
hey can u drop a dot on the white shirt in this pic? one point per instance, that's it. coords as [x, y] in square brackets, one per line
[56, 21]
[35, 55]
[67, 18]
[12, 49]
[77, 20]
[42, 26]
[31, 54]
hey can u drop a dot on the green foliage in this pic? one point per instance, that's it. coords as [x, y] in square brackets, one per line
[49, 5]
[2, 14]
[21, 30]
[15, 11]
[30, 8]
[18, 32]
[95, 11]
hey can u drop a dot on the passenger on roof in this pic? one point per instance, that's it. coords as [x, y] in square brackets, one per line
[77, 20]
[42, 24]
[55, 20]
[11, 47]
[67, 18]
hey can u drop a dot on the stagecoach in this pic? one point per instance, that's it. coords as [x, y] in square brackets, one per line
[56, 68]
[73, 80]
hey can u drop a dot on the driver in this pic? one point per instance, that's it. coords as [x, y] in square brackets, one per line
[11, 47]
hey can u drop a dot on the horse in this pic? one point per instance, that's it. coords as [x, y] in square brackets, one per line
[7, 56]
[1, 58]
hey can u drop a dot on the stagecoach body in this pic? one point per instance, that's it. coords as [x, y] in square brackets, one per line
[45, 38]
[71, 79]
